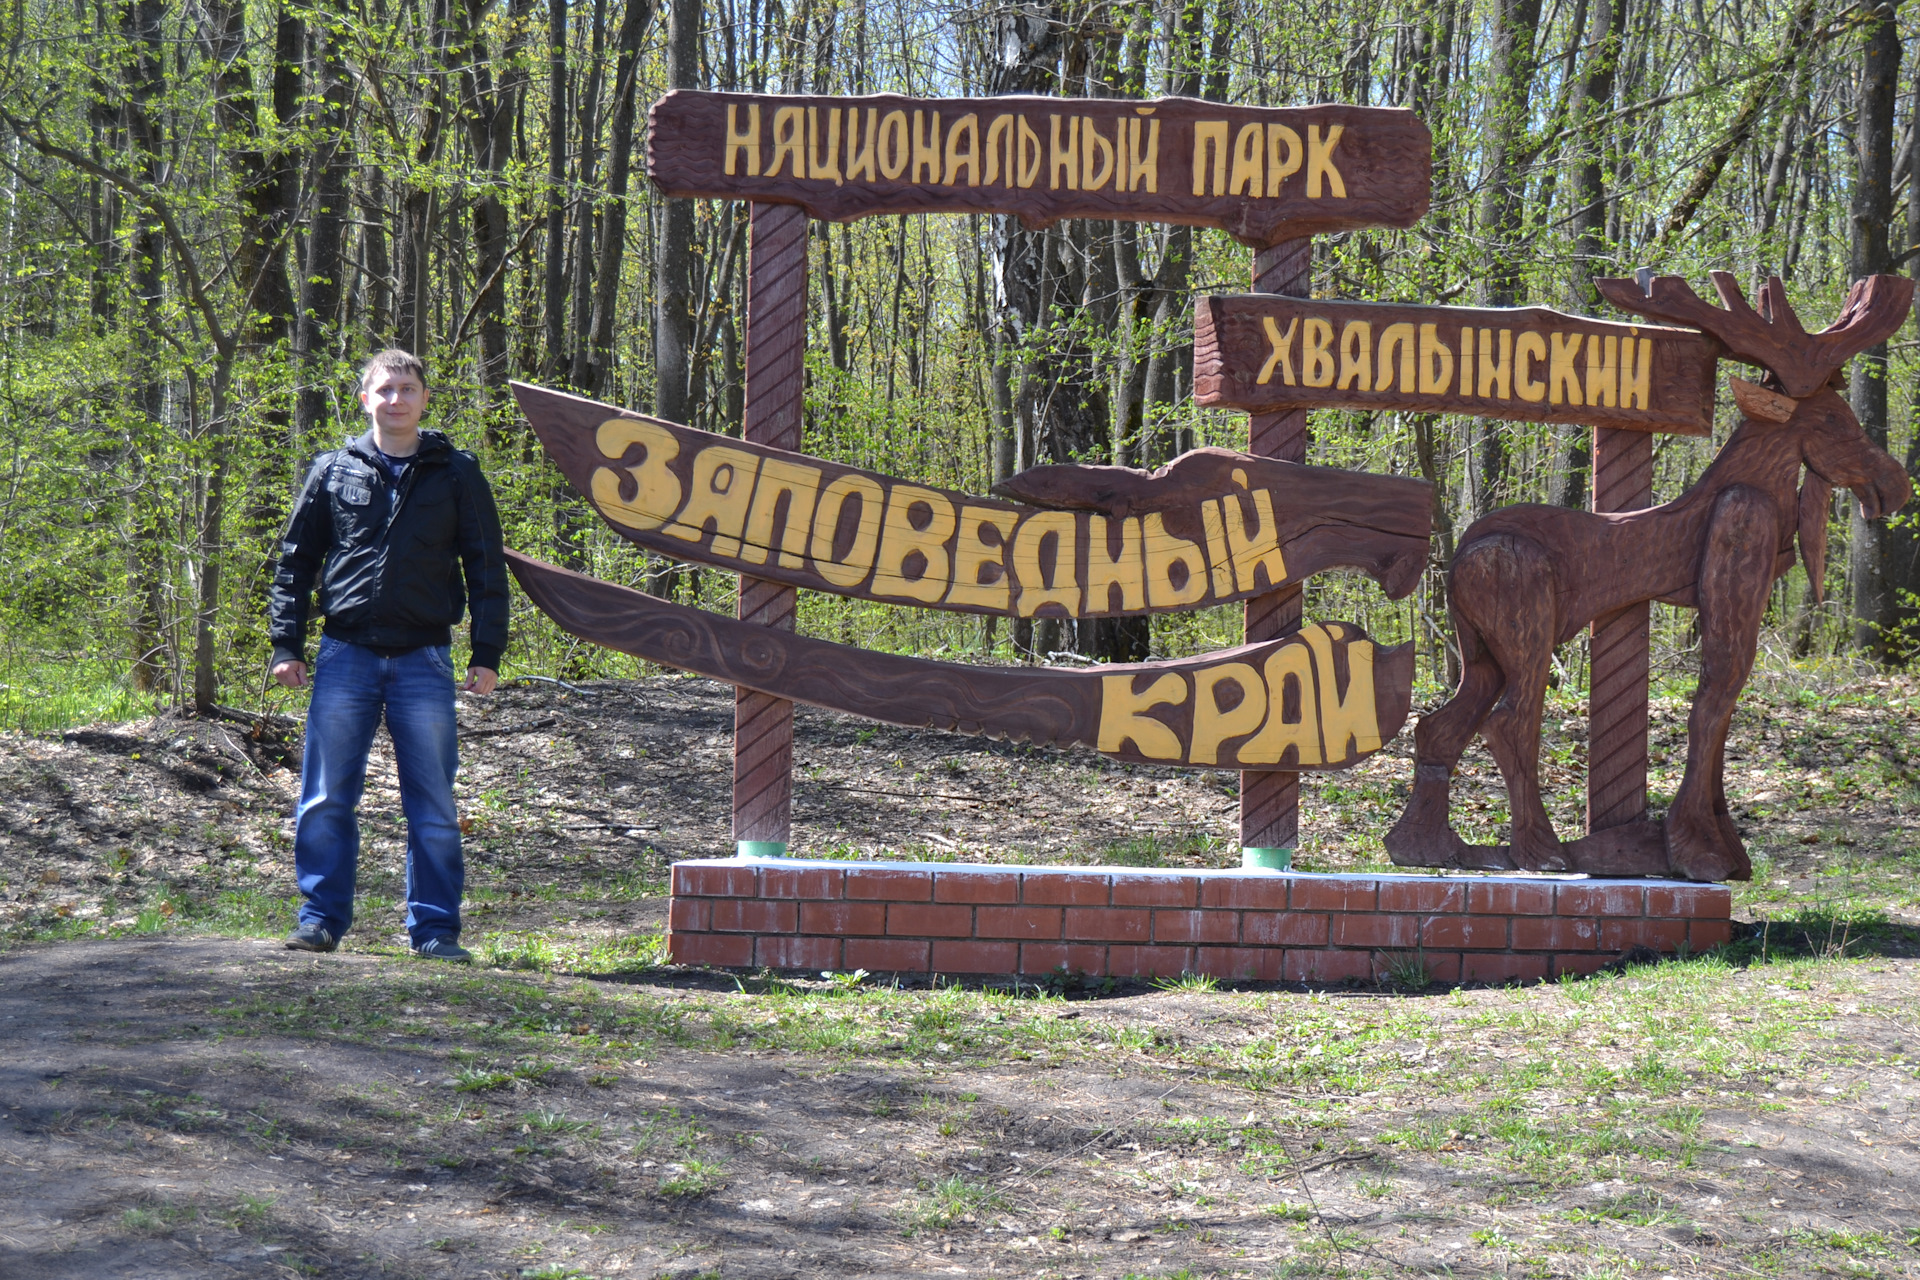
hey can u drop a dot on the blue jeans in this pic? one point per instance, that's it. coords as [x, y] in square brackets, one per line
[352, 687]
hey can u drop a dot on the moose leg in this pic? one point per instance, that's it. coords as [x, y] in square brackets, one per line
[1736, 568]
[1514, 615]
[1423, 837]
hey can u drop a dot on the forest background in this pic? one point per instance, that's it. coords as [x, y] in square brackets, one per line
[212, 210]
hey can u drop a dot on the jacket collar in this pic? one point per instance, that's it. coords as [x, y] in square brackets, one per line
[434, 447]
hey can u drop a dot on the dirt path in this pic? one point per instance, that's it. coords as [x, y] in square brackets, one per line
[201, 1107]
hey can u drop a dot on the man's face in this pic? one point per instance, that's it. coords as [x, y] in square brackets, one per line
[394, 400]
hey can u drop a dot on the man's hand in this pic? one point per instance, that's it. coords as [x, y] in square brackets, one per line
[290, 674]
[479, 680]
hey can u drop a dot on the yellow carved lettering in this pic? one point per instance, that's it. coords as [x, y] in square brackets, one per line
[968, 159]
[748, 142]
[1215, 526]
[720, 490]
[895, 149]
[1035, 588]
[1603, 369]
[830, 167]
[1496, 378]
[789, 142]
[800, 485]
[1436, 362]
[1248, 155]
[1258, 549]
[1162, 552]
[1291, 662]
[850, 570]
[1092, 176]
[1530, 347]
[1394, 336]
[1123, 715]
[1466, 361]
[926, 150]
[860, 154]
[1320, 162]
[1209, 136]
[1029, 153]
[1213, 726]
[1316, 353]
[1283, 156]
[1563, 380]
[999, 146]
[900, 539]
[979, 566]
[1635, 377]
[657, 490]
[1143, 167]
[1065, 158]
[1282, 350]
[1352, 716]
[1106, 572]
[1356, 355]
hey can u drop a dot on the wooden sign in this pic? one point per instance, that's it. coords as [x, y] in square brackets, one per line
[1324, 698]
[1212, 526]
[1263, 352]
[1262, 174]
[1529, 577]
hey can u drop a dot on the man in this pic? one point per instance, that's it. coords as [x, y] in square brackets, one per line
[390, 525]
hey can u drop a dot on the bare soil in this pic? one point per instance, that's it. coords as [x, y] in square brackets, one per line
[179, 1096]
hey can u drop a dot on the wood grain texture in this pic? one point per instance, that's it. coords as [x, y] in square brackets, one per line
[1261, 353]
[1620, 661]
[1529, 577]
[805, 522]
[1327, 694]
[1270, 799]
[776, 396]
[1265, 174]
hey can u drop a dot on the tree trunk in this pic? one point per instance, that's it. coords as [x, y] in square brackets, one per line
[554, 279]
[145, 89]
[490, 114]
[321, 277]
[1510, 67]
[1872, 217]
[613, 228]
[673, 308]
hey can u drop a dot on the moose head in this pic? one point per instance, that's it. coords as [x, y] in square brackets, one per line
[1799, 396]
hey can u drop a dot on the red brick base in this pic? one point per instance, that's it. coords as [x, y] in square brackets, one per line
[951, 918]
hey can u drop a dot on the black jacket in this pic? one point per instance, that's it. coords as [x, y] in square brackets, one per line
[389, 558]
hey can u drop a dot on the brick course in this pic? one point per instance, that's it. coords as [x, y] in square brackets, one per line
[1265, 926]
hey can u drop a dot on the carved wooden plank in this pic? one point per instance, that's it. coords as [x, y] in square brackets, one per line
[1529, 577]
[1270, 799]
[776, 389]
[1620, 661]
[1241, 526]
[1263, 174]
[1260, 352]
[1325, 698]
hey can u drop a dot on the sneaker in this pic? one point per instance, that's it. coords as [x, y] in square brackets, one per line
[443, 949]
[311, 937]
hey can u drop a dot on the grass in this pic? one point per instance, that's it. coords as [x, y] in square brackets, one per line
[945, 1201]
[53, 696]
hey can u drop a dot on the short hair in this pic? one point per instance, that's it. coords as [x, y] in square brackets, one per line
[392, 360]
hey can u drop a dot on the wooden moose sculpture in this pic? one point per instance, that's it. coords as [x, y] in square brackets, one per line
[1528, 578]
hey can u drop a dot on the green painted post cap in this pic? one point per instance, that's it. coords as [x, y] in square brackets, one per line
[1280, 859]
[760, 848]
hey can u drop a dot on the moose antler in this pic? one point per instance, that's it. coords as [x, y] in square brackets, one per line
[1773, 337]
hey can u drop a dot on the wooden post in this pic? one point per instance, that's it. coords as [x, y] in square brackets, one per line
[1621, 661]
[776, 369]
[1269, 799]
